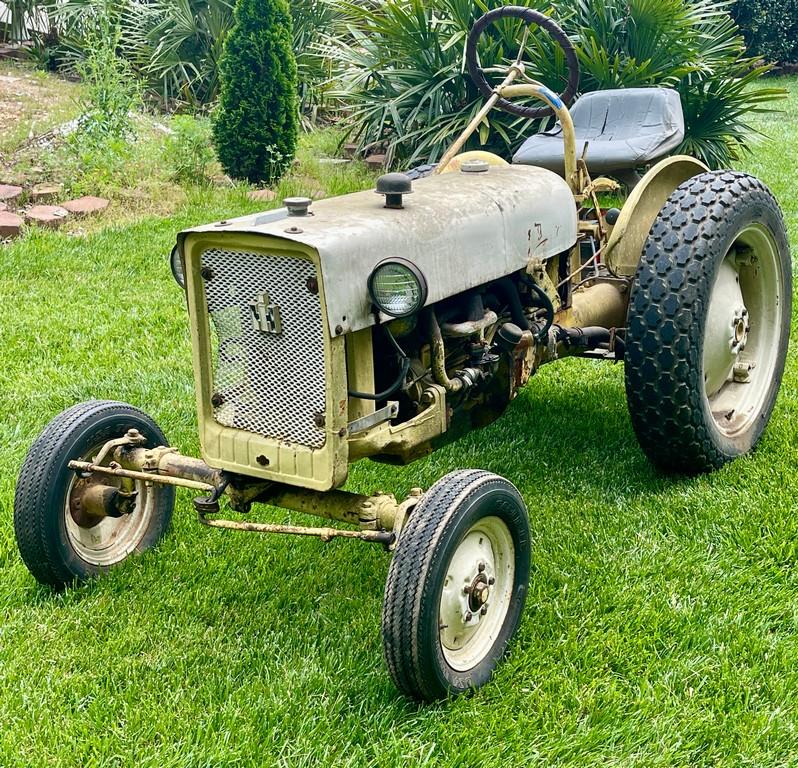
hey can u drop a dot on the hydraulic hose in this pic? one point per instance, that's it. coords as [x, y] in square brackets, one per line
[397, 385]
[546, 304]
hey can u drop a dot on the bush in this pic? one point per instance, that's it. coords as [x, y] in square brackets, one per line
[770, 28]
[402, 73]
[255, 128]
[188, 153]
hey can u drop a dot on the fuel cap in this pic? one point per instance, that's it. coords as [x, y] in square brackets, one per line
[297, 206]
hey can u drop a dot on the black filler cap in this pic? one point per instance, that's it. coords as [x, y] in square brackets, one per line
[392, 186]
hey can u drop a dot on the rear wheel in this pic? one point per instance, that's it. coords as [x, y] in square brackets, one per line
[456, 586]
[709, 322]
[59, 535]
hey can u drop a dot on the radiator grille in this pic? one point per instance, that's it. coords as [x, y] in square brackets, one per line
[269, 383]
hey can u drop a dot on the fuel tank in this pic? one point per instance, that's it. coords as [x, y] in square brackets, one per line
[460, 229]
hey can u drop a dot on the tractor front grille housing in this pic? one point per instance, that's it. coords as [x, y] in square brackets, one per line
[267, 339]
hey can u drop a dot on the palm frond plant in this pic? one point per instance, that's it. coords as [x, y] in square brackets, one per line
[401, 72]
[313, 20]
[25, 19]
[173, 45]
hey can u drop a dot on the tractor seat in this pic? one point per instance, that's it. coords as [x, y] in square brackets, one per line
[626, 128]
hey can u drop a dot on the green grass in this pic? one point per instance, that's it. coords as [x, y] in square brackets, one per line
[662, 622]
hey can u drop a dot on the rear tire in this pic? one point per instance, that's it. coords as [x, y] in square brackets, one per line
[456, 585]
[708, 323]
[55, 549]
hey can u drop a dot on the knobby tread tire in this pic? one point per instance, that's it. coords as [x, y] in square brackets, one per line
[43, 480]
[668, 307]
[406, 654]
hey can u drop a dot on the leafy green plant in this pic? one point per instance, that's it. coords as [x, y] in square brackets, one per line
[255, 127]
[188, 151]
[403, 78]
[174, 46]
[110, 91]
[770, 28]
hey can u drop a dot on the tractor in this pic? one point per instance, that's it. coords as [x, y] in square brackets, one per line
[385, 323]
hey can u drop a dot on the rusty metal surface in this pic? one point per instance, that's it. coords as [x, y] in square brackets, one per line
[168, 462]
[494, 222]
[325, 534]
[114, 470]
[90, 500]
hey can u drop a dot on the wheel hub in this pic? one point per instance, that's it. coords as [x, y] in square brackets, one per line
[476, 593]
[727, 329]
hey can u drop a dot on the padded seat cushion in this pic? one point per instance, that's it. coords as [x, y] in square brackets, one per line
[625, 128]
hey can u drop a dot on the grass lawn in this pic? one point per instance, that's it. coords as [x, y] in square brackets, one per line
[662, 621]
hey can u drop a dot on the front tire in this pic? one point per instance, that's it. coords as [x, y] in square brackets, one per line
[59, 546]
[456, 585]
[708, 323]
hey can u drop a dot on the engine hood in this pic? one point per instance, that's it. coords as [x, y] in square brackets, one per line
[460, 229]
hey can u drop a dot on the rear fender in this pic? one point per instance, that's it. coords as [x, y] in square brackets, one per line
[638, 213]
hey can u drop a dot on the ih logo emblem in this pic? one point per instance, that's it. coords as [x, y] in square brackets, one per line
[265, 315]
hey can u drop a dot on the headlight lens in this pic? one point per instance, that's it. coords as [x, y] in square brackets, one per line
[176, 264]
[397, 287]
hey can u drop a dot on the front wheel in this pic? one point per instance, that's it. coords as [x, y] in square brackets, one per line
[708, 323]
[59, 534]
[456, 585]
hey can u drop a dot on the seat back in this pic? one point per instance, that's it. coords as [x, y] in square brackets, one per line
[625, 129]
[629, 113]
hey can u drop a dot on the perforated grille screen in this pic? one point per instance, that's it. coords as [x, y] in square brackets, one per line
[268, 367]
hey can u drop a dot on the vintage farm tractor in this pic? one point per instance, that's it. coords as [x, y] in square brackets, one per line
[380, 325]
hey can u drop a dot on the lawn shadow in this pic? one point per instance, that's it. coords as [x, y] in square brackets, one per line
[560, 440]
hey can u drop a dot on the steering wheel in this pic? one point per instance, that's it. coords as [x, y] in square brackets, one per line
[529, 16]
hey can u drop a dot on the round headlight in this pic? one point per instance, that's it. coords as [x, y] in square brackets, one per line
[176, 264]
[397, 287]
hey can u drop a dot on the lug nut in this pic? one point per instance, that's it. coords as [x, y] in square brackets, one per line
[483, 610]
[491, 581]
[481, 567]
[469, 616]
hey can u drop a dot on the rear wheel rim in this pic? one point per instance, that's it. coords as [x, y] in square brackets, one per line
[112, 539]
[742, 335]
[476, 594]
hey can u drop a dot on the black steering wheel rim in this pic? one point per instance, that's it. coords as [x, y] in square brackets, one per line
[530, 16]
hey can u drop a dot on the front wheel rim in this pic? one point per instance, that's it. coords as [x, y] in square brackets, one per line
[742, 337]
[112, 539]
[476, 594]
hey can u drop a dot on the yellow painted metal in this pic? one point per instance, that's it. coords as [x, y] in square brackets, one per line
[476, 154]
[601, 303]
[629, 234]
[245, 452]
[407, 440]
[563, 115]
[514, 71]
[508, 90]
[360, 371]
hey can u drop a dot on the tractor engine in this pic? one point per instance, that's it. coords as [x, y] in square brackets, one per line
[375, 324]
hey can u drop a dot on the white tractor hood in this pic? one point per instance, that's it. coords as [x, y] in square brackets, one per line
[460, 229]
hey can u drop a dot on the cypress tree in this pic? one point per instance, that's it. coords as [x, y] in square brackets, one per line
[256, 125]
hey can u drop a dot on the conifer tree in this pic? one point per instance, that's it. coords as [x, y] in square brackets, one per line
[255, 129]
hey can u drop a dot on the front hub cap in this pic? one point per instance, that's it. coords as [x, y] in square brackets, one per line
[476, 593]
